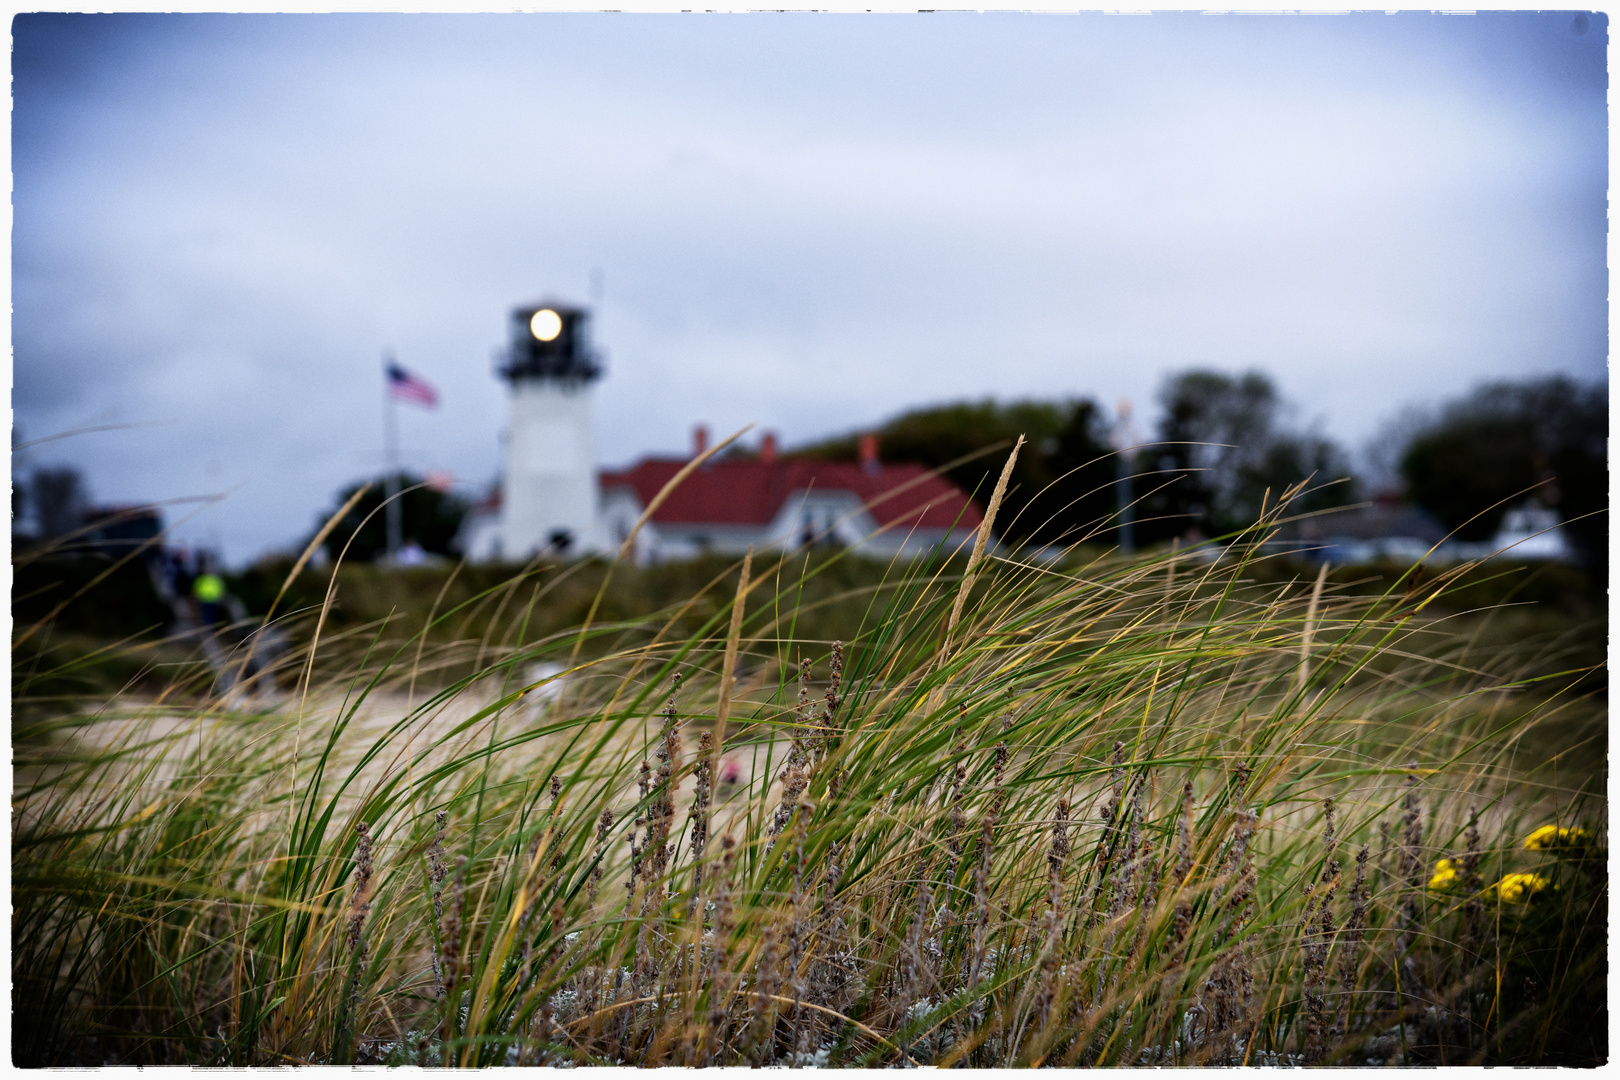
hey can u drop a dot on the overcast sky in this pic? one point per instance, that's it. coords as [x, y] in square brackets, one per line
[805, 222]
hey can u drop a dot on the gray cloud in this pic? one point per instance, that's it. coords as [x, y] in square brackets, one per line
[805, 222]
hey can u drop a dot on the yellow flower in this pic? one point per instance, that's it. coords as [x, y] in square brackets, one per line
[1445, 875]
[1519, 887]
[1551, 836]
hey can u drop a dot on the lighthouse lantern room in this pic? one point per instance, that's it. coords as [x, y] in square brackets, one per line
[548, 487]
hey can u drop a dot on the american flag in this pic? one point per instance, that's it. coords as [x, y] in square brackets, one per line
[403, 386]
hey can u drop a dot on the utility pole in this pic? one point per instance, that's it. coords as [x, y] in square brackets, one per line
[391, 452]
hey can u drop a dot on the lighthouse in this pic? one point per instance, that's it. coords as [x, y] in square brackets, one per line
[548, 486]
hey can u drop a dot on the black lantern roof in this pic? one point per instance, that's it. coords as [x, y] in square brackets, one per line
[550, 340]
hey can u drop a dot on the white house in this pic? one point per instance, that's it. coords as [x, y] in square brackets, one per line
[765, 502]
[1388, 531]
[769, 503]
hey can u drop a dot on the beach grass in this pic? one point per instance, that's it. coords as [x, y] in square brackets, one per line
[1192, 807]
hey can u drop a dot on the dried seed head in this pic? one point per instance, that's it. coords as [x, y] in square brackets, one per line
[1317, 940]
[603, 829]
[661, 814]
[1131, 823]
[1059, 849]
[793, 784]
[643, 785]
[1183, 867]
[829, 710]
[1412, 862]
[1471, 842]
[699, 816]
[956, 827]
[1330, 865]
[451, 937]
[767, 980]
[1116, 784]
[836, 784]
[915, 967]
[1358, 898]
[1184, 835]
[1134, 844]
[802, 710]
[669, 751]
[834, 871]
[719, 973]
[958, 815]
[360, 904]
[1353, 932]
[362, 854]
[437, 870]
[981, 890]
[835, 679]
[1240, 870]
[1240, 781]
[722, 893]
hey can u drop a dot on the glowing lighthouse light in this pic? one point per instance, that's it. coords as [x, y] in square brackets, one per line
[546, 325]
[548, 482]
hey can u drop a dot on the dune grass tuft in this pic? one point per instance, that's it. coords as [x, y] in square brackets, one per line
[1165, 810]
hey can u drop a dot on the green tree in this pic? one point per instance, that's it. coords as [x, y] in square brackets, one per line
[431, 518]
[1061, 488]
[1222, 453]
[59, 500]
[1483, 453]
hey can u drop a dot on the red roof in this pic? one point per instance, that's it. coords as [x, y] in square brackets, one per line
[752, 492]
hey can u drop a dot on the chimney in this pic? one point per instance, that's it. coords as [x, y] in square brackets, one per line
[700, 439]
[767, 448]
[869, 452]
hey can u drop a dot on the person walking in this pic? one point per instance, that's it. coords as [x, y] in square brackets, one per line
[209, 592]
[213, 614]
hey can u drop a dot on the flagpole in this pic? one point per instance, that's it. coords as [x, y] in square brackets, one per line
[391, 450]
[1123, 437]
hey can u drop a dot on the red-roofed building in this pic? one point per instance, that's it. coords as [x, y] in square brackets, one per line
[727, 506]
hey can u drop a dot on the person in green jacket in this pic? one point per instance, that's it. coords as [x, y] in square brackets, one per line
[209, 592]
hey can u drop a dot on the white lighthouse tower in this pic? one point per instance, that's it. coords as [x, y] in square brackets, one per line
[548, 488]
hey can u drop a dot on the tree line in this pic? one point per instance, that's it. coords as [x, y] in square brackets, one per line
[1222, 442]
[1220, 445]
